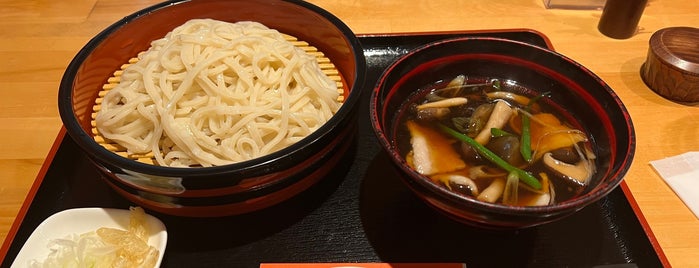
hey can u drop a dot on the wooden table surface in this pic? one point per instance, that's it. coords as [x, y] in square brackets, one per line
[39, 38]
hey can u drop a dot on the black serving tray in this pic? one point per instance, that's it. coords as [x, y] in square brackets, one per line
[360, 213]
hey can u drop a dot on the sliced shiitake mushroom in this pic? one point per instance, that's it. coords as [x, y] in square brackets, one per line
[566, 154]
[578, 173]
[458, 183]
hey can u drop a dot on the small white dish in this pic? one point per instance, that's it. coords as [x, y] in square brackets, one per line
[82, 220]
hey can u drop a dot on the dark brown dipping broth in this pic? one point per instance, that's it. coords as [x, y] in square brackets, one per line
[563, 189]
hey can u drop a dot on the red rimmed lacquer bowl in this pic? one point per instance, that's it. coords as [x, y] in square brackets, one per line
[226, 189]
[573, 88]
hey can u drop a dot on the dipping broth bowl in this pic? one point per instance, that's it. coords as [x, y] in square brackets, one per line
[227, 189]
[598, 110]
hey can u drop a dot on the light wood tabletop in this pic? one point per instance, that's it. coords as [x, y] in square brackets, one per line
[39, 38]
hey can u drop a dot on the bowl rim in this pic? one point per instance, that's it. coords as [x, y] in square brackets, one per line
[86, 142]
[576, 203]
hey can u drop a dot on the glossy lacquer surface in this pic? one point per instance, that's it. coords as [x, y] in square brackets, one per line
[361, 212]
[575, 93]
[41, 37]
[225, 189]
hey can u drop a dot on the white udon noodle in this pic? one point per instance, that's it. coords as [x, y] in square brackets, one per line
[212, 93]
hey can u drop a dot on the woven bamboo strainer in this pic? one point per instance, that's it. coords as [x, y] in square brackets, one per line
[325, 65]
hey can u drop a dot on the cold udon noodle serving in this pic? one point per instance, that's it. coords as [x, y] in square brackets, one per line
[491, 140]
[213, 93]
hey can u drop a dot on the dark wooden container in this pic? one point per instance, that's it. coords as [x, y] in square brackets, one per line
[672, 66]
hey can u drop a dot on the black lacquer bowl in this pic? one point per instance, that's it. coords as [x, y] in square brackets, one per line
[576, 89]
[221, 190]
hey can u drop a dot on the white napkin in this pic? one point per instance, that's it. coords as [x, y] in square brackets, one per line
[681, 173]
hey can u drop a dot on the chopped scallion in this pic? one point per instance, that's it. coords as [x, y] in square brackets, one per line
[524, 176]
[525, 140]
[496, 132]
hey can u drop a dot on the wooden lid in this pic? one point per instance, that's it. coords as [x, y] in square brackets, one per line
[672, 66]
[678, 46]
